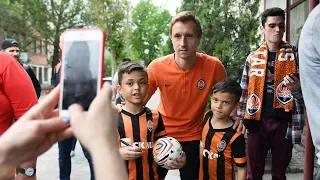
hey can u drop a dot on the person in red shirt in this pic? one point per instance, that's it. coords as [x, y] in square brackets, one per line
[17, 96]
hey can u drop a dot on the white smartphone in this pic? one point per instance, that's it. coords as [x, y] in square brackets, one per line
[82, 68]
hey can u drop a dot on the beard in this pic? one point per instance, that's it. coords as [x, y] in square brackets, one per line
[17, 58]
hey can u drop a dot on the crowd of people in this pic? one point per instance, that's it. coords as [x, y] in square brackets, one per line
[117, 140]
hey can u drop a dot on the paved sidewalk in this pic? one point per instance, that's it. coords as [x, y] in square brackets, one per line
[48, 165]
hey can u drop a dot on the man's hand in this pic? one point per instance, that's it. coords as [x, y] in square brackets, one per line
[292, 82]
[179, 162]
[238, 124]
[130, 153]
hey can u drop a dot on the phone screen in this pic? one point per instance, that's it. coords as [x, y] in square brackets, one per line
[81, 72]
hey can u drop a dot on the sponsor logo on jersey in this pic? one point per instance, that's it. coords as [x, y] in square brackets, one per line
[201, 84]
[150, 125]
[221, 146]
[142, 145]
[253, 104]
[210, 155]
[283, 94]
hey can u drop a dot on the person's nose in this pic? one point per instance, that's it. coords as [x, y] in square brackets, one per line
[183, 41]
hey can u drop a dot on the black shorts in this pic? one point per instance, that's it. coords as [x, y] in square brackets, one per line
[191, 170]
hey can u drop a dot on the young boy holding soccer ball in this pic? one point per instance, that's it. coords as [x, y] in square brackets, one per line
[222, 146]
[139, 127]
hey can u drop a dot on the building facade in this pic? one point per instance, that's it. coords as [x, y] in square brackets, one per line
[296, 11]
[36, 57]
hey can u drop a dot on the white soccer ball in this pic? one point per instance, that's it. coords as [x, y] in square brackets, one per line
[166, 150]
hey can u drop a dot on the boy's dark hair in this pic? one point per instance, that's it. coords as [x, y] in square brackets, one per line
[128, 67]
[126, 60]
[275, 11]
[229, 86]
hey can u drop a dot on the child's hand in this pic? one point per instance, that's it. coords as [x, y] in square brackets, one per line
[179, 162]
[120, 106]
[130, 153]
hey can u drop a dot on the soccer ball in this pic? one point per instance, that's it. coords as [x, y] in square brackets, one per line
[166, 150]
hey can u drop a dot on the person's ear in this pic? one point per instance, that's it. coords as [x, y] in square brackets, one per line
[262, 30]
[119, 88]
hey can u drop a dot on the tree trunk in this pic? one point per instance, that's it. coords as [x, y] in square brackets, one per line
[55, 57]
[113, 60]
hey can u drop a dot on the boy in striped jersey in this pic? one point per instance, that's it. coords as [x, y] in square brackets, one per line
[222, 146]
[139, 127]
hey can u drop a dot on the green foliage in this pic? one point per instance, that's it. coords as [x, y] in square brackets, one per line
[50, 18]
[15, 23]
[150, 29]
[229, 32]
[112, 16]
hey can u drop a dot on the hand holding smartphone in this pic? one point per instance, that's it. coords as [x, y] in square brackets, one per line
[82, 68]
[294, 74]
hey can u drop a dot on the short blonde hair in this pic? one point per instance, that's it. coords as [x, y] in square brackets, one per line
[184, 17]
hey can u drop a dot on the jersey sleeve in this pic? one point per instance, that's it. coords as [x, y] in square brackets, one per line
[152, 83]
[238, 149]
[160, 130]
[19, 89]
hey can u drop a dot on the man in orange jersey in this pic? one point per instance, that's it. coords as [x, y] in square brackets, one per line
[222, 146]
[139, 127]
[185, 79]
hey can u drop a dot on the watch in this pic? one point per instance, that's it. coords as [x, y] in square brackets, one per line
[29, 171]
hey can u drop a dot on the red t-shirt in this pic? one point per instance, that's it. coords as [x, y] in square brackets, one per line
[17, 94]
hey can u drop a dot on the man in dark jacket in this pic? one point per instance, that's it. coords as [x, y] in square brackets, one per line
[11, 47]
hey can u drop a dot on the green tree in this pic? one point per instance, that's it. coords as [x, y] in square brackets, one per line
[150, 29]
[16, 25]
[112, 16]
[229, 30]
[50, 18]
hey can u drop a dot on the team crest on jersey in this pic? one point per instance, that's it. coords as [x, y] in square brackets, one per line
[201, 84]
[150, 125]
[221, 146]
[283, 94]
[253, 104]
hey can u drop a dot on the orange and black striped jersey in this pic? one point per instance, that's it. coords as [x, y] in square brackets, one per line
[220, 149]
[141, 130]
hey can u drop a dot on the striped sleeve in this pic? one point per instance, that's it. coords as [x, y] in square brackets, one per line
[160, 130]
[238, 149]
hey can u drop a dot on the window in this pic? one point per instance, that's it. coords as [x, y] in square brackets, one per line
[44, 48]
[293, 1]
[5, 34]
[39, 46]
[298, 16]
[45, 69]
[35, 46]
[40, 75]
[276, 3]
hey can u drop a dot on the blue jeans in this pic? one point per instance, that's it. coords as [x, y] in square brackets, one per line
[74, 142]
[65, 147]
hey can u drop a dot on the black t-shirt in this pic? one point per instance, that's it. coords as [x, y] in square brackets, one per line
[267, 104]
